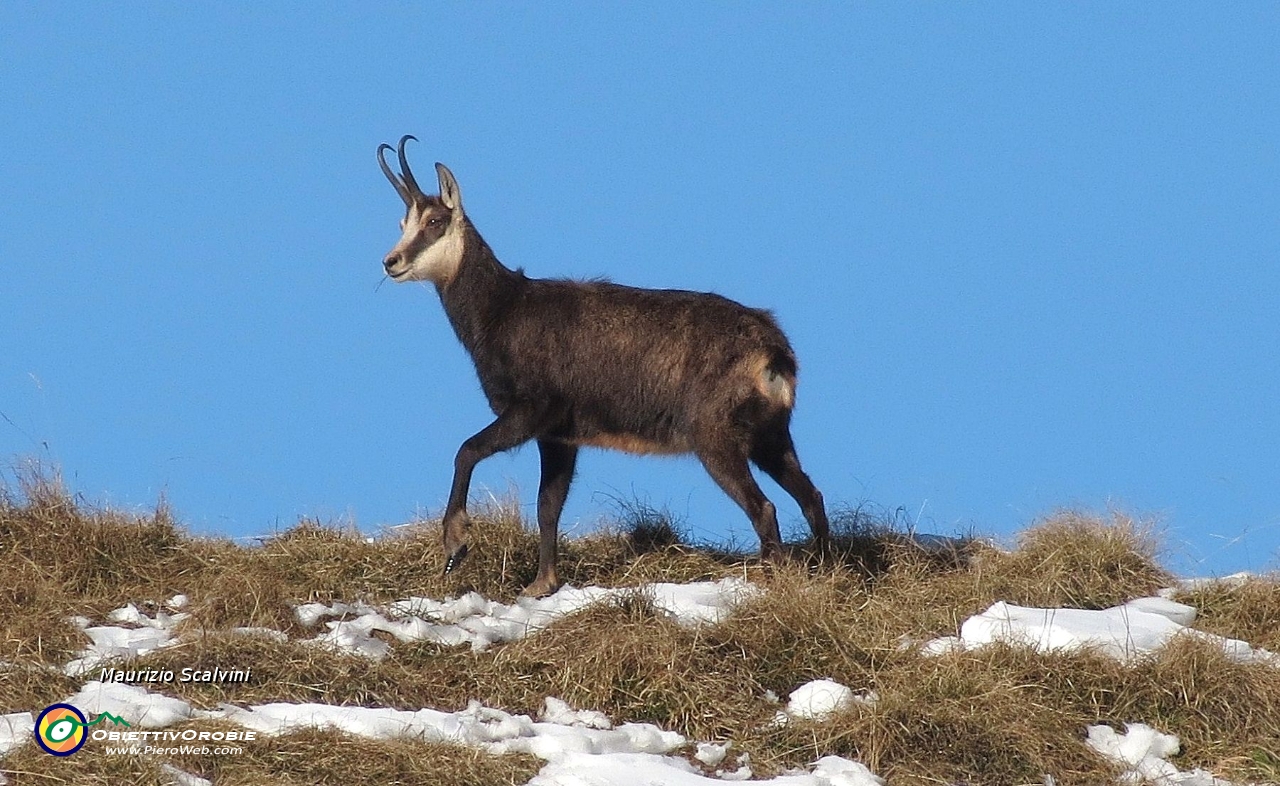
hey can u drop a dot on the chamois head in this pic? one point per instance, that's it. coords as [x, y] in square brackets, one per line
[430, 247]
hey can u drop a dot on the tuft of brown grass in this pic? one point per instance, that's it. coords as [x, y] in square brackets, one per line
[1066, 561]
[86, 552]
[29, 685]
[1227, 713]
[971, 717]
[60, 557]
[806, 627]
[631, 661]
[872, 542]
[87, 767]
[1248, 609]
[1071, 559]
[293, 671]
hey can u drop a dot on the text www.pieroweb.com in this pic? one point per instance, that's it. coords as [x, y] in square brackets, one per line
[172, 743]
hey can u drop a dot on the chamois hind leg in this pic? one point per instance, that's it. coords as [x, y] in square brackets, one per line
[727, 465]
[558, 462]
[512, 428]
[776, 456]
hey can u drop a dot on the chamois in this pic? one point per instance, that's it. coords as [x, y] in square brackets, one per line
[597, 364]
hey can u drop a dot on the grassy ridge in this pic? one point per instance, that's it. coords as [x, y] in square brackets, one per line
[1002, 714]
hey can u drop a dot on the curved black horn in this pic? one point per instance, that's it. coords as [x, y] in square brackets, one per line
[401, 189]
[405, 171]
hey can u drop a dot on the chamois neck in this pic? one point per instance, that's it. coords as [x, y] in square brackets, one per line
[480, 292]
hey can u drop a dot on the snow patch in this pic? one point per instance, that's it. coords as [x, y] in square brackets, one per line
[496, 730]
[581, 747]
[140, 707]
[481, 623]
[111, 641]
[839, 771]
[1192, 585]
[15, 730]
[272, 634]
[818, 700]
[1144, 752]
[632, 769]
[557, 711]
[619, 769]
[470, 619]
[1125, 632]
[182, 777]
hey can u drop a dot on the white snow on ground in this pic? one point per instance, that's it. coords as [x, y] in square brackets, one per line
[499, 731]
[471, 619]
[182, 777]
[819, 700]
[143, 709]
[629, 769]
[1191, 585]
[581, 748]
[1145, 752]
[556, 711]
[1137, 628]
[712, 753]
[112, 641]
[15, 729]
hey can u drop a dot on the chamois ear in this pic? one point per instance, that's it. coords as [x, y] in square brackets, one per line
[450, 194]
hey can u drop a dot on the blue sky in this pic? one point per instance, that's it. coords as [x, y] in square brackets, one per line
[1027, 253]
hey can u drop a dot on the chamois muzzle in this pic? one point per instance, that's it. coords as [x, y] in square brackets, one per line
[392, 264]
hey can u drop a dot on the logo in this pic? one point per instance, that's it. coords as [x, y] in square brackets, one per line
[61, 728]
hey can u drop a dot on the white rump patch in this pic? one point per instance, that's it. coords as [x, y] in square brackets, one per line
[777, 387]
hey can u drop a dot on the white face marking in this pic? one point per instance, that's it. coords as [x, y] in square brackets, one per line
[409, 226]
[437, 262]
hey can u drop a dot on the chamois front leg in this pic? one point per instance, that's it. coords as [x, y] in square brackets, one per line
[511, 429]
[558, 462]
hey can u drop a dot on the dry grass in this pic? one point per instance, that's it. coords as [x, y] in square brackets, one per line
[1080, 561]
[1248, 610]
[633, 662]
[308, 757]
[300, 758]
[999, 715]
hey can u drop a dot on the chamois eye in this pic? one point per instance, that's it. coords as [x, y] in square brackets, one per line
[434, 221]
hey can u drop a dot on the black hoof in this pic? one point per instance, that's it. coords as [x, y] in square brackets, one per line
[455, 559]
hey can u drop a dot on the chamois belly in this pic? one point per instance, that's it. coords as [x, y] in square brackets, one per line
[640, 429]
[631, 443]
